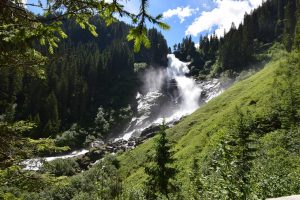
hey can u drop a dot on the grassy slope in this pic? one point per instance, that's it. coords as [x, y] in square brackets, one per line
[199, 134]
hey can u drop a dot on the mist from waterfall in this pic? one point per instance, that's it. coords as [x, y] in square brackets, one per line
[152, 110]
[153, 79]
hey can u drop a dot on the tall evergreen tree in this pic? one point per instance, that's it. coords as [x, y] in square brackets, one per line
[238, 152]
[51, 115]
[297, 28]
[245, 151]
[290, 22]
[280, 17]
[160, 173]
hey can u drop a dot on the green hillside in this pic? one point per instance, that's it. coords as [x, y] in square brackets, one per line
[199, 135]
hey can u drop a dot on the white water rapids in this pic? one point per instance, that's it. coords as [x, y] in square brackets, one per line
[168, 94]
[184, 102]
[36, 163]
[189, 91]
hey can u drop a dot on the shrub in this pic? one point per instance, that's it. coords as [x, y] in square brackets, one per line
[61, 167]
[74, 137]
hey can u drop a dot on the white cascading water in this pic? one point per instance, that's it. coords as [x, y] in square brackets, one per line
[186, 102]
[151, 110]
[189, 91]
[36, 163]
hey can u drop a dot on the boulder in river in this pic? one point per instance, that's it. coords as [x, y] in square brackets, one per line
[97, 144]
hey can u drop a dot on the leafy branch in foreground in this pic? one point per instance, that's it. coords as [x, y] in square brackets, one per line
[139, 33]
[20, 28]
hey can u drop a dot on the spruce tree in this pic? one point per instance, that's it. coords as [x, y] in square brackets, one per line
[238, 152]
[280, 17]
[289, 25]
[289, 94]
[51, 114]
[245, 154]
[297, 28]
[160, 172]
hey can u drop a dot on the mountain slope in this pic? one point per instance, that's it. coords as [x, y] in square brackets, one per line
[200, 134]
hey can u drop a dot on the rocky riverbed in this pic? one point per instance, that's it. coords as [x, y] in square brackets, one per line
[97, 150]
[151, 114]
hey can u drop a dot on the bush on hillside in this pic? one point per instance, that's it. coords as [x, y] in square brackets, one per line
[61, 167]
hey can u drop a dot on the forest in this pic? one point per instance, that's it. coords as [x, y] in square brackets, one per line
[78, 84]
[275, 21]
[70, 79]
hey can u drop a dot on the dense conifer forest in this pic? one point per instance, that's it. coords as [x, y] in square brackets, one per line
[274, 21]
[78, 82]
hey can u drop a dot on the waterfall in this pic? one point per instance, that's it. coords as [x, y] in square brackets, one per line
[168, 94]
[189, 91]
[152, 110]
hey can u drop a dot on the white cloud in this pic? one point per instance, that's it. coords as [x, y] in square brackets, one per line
[226, 12]
[180, 12]
[205, 6]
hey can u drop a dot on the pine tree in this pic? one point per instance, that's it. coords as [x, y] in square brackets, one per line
[297, 29]
[51, 114]
[246, 149]
[289, 25]
[247, 39]
[175, 47]
[160, 173]
[238, 152]
[280, 17]
[288, 91]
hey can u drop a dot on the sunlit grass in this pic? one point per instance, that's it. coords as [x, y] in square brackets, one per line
[198, 135]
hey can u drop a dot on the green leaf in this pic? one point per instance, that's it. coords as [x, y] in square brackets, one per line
[62, 34]
[137, 44]
[158, 17]
[42, 41]
[146, 41]
[130, 36]
[50, 49]
[163, 26]
[92, 29]
[82, 25]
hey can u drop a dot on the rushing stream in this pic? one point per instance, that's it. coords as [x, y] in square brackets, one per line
[167, 94]
[36, 163]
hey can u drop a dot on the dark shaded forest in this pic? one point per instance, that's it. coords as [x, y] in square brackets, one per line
[84, 73]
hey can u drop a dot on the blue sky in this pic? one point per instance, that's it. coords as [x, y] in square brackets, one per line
[195, 17]
[179, 15]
